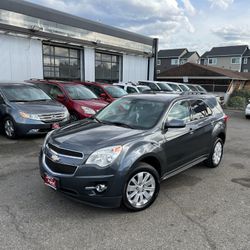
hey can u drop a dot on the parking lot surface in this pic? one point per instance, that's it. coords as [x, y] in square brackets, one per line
[200, 208]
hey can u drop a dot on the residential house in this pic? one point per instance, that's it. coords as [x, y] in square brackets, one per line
[228, 57]
[171, 58]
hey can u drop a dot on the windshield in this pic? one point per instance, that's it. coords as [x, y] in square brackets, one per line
[115, 92]
[184, 87]
[174, 87]
[192, 87]
[133, 113]
[79, 92]
[164, 86]
[200, 88]
[21, 93]
[143, 88]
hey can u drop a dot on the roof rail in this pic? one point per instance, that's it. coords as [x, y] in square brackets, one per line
[193, 93]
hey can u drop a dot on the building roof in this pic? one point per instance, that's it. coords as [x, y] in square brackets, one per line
[247, 53]
[237, 50]
[37, 11]
[189, 54]
[193, 70]
[166, 53]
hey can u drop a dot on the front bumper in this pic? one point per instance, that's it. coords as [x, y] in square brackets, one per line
[76, 185]
[37, 127]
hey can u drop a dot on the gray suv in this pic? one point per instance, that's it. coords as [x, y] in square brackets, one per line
[120, 156]
[26, 109]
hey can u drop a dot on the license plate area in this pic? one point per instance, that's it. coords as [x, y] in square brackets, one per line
[55, 125]
[51, 181]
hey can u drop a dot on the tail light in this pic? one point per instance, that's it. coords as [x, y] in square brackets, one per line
[226, 117]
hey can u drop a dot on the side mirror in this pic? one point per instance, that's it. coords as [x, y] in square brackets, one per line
[175, 123]
[103, 95]
[60, 98]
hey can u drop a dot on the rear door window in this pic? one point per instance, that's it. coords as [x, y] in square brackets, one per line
[200, 110]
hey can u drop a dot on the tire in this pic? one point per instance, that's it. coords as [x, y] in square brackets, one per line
[216, 154]
[247, 116]
[143, 195]
[73, 117]
[9, 128]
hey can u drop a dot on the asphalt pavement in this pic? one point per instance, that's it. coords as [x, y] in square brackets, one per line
[199, 209]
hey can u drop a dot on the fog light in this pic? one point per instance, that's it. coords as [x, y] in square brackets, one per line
[100, 188]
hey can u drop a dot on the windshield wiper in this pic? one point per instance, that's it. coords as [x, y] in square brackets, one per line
[120, 124]
[94, 118]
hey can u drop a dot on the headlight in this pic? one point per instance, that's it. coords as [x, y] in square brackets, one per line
[29, 116]
[46, 139]
[105, 156]
[66, 114]
[88, 111]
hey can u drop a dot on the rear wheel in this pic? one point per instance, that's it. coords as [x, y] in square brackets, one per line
[142, 188]
[247, 116]
[216, 154]
[9, 128]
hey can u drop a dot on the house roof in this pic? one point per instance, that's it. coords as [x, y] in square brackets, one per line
[170, 53]
[247, 53]
[237, 50]
[189, 54]
[193, 70]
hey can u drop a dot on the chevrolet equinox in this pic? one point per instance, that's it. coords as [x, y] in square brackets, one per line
[120, 155]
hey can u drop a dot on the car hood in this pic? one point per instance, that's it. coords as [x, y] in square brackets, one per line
[39, 107]
[87, 136]
[95, 104]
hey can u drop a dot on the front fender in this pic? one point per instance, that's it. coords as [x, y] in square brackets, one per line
[135, 153]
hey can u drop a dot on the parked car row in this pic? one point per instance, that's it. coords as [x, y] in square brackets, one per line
[33, 107]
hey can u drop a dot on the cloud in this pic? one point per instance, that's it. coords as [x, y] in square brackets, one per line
[164, 19]
[223, 4]
[189, 7]
[232, 33]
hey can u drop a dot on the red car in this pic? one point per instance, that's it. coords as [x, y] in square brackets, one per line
[80, 101]
[105, 91]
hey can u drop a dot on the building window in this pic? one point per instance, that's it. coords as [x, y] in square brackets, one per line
[174, 61]
[245, 70]
[235, 60]
[106, 67]
[212, 61]
[245, 60]
[158, 62]
[61, 63]
[158, 71]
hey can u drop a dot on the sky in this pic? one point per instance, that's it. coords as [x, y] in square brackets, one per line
[193, 24]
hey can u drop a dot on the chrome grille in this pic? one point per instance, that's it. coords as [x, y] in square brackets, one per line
[52, 117]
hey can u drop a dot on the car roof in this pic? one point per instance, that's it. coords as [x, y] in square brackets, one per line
[97, 83]
[169, 97]
[57, 82]
[14, 83]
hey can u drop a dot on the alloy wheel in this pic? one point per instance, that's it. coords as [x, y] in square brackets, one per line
[9, 128]
[141, 189]
[217, 154]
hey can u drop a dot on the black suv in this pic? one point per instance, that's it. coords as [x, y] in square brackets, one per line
[121, 155]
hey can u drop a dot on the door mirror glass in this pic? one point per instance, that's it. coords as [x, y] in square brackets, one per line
[175, 123]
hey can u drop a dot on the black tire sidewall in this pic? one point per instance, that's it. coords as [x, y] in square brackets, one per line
[210, 162]
[140, 168]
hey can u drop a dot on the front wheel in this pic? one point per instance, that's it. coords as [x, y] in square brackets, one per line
[216, 154]
[9, 128]
[142, 188]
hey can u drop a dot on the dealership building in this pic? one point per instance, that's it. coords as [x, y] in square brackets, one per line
[39, 42]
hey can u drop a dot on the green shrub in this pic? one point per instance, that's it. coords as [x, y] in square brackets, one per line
[242, 93]
[238, 102]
